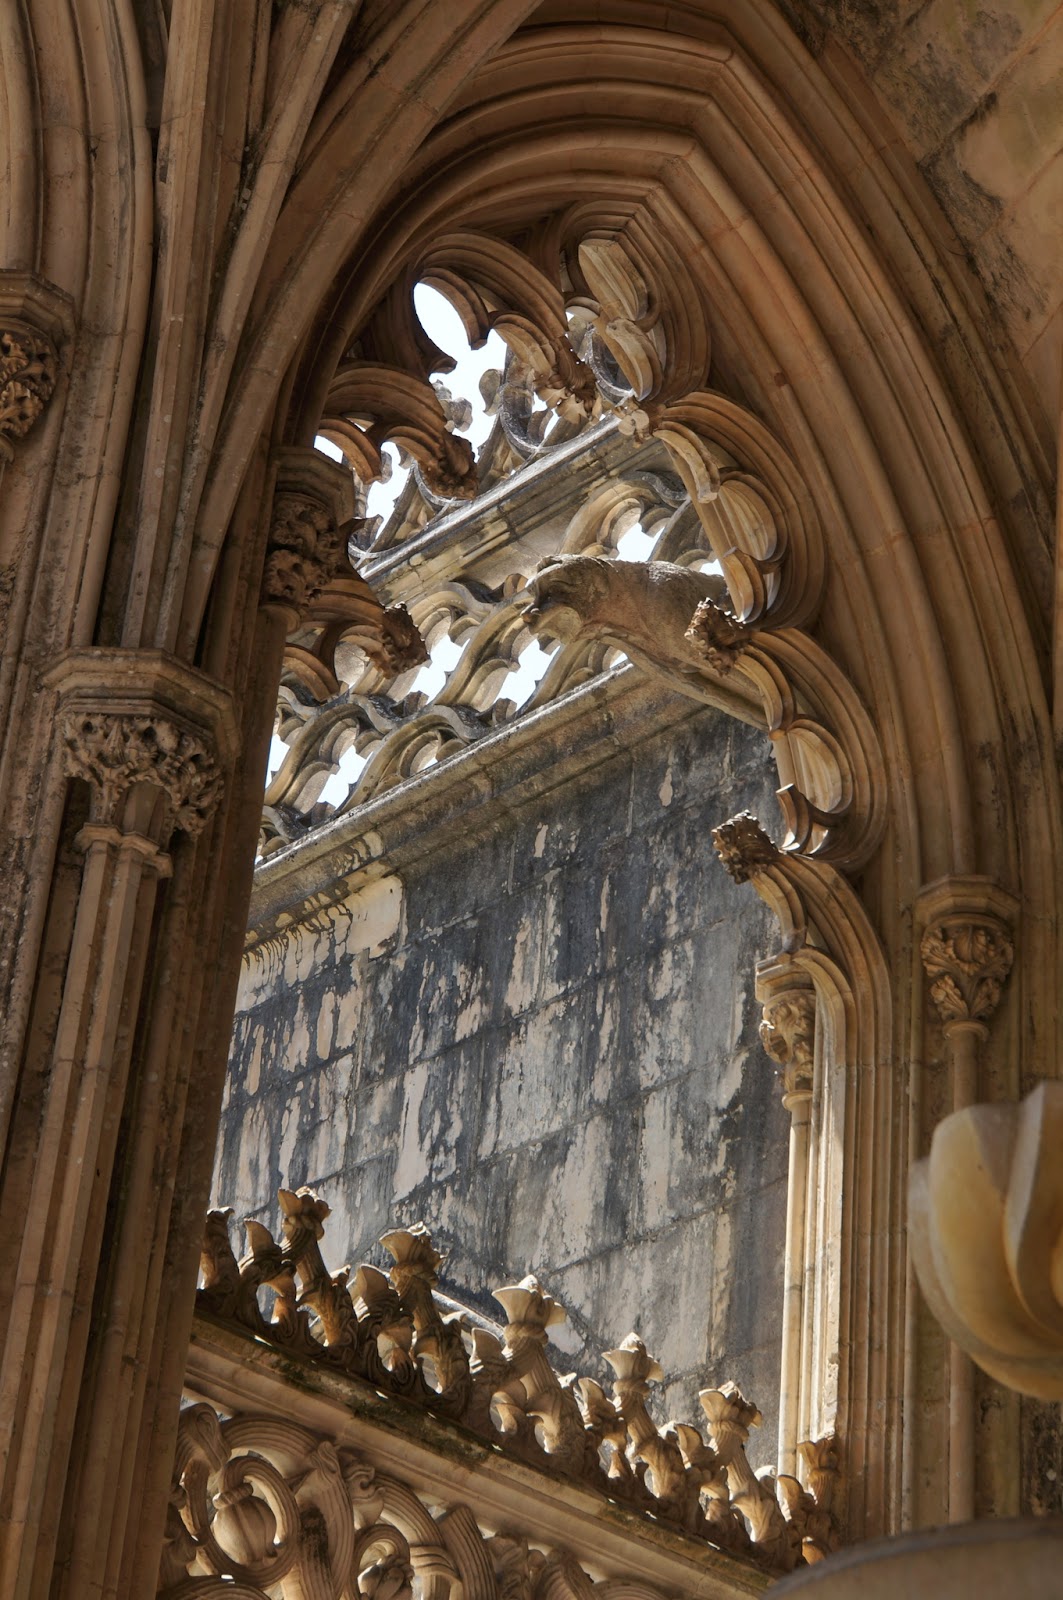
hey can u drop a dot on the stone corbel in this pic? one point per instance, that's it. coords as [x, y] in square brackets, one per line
[153, 738]
[35, 319]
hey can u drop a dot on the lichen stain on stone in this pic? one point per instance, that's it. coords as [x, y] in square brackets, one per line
[554, 1062]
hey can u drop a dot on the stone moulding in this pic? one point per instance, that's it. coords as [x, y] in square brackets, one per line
[387, 1330]
[131, 718]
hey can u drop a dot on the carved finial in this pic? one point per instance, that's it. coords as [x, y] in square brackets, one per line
[635, 1368]
[967, 960]
[414, 1255]
[28, 365]
[743, 846]
[788, 1034]
[718, 635]
[530, 1311]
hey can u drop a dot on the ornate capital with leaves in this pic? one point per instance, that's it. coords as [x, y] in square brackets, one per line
[788, 1034]
[967, 960]
[138, 727]
[115, 751]
[304, 552]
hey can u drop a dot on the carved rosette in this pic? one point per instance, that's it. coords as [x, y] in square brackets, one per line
[28, 366]
[744, 847]
[967, 961]
[718, 635]
[304, 552]
[788, 1034]
[115, 751]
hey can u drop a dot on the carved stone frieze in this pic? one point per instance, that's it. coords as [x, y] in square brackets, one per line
[387, 1329]
[967, 961]
[28, 367]
[788, 1034]
[743, 846]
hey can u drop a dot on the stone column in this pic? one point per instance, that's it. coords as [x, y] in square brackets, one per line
[305, 544]
[151, 741]
[967, 952]
[788, 1034]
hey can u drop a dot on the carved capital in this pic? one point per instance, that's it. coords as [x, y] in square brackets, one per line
[743, 846]
[312, 503]
[140, 723]
[718, 635]
[303, 554]
[28, 366]
[113, 752]
[34, 318]
[788, 1034]
[966, 947]
[967, 963]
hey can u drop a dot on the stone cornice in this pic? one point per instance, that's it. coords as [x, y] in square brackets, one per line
[502, 772]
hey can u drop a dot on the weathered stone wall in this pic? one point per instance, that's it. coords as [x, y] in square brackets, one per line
[544, 1043]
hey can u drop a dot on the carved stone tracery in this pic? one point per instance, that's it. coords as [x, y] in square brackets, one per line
[386, 1329]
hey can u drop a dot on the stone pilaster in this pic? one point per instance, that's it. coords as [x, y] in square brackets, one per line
[967, 950]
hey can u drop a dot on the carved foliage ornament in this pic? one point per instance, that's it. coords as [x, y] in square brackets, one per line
[967, 963]
[743, 846]
[27, 377]
[788, 1034]
[113, 751]
[304, 552]
[719, 635]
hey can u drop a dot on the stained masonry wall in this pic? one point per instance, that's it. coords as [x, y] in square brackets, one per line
[544, 1044]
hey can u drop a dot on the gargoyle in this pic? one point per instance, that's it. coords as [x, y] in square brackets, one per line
[646, 607]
